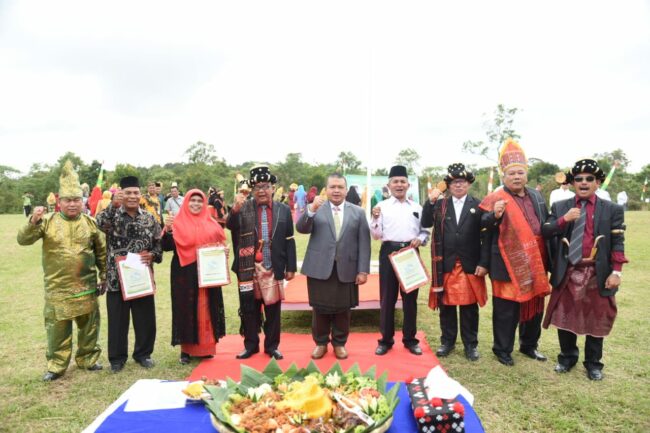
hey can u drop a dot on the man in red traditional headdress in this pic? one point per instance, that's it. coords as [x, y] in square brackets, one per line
[588, 234]
[513, 219]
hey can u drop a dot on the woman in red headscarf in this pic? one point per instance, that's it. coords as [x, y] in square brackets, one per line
[198, 319]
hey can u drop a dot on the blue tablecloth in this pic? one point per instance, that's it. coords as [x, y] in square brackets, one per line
[195, 418]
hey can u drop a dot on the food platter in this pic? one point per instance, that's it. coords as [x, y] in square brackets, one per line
[302, 401]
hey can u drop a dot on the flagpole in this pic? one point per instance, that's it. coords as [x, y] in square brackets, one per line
[367, 136]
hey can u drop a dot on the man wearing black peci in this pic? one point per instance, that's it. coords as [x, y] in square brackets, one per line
[396, 221]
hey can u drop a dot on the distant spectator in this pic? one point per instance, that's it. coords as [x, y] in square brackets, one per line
[174, 203]
[353, 196]
[562, 193]
[603, 194]
[311, 195]
[27, 203]
[621, 199]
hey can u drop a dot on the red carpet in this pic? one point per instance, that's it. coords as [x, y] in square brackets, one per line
[295, 294]
[398, 362]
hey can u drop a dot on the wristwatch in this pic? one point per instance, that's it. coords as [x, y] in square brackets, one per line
[619, 274]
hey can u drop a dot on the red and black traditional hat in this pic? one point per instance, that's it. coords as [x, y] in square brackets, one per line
[261, 173]
[458, 171]
[586, 165]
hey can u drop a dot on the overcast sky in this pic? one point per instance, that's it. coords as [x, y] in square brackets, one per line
[140, 81]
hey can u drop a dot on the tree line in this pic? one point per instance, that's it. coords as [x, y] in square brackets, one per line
[204, 169]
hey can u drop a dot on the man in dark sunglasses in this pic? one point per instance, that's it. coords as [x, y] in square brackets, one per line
[587, 233]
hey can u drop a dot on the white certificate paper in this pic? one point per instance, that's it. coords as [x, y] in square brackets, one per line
[212, 264]
[136, 280]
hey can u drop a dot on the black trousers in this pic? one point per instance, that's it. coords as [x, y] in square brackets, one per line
[570, 352]
[119, 311]
[388, 289]
[505, 319]
[468, 325]
[338, 325]
[252, 322]
[27, 210]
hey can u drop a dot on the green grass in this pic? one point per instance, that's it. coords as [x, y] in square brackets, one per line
[529, 397]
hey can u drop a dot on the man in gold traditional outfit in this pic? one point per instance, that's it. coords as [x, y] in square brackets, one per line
[74, 251]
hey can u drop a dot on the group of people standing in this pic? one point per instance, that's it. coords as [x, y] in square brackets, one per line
[510, 235]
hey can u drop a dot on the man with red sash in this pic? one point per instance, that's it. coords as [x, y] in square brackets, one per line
[518, 260]
[459, 258]
[588, 235]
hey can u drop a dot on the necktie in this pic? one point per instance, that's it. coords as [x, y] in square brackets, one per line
[337, 221]
[266, 247]
[575, 245]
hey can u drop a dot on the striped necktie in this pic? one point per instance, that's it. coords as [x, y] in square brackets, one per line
[575, 246]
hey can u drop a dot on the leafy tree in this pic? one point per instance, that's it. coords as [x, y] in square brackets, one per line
[540, 171]
[380, 172]
[607, 159]
[409, 158]
[497, 131]
[201, 153]
[347, 161]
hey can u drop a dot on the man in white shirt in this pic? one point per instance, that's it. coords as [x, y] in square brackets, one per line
[396, 221]
[562, 193]
[173, 203]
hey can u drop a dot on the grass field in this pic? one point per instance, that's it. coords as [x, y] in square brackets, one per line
[528, 397]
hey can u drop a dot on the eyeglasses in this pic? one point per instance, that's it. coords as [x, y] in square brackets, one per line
[261, 187]
[584, 178]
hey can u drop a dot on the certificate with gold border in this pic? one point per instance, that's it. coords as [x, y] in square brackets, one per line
[409, 269]
[212, 266]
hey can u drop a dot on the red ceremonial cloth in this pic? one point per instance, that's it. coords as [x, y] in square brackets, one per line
[523, 253]
[463, 289]
[192, 231]
[398, 362]
[206, 345]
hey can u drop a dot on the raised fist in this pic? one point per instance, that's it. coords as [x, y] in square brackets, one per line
[318, 202]
[39, 211]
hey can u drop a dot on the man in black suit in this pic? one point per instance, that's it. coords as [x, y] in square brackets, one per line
[588, 235]
[265, 255]
[456, 223]
[518, 257]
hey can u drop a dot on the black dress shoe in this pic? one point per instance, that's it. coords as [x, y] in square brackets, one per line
[184, 358]
[146, 362]
[471, 353]
[561, 368]
[247, 353]
[276, 354]
[506, 360]
[444, 350]
[95, 367]
[534, 354]
[382, 349]
[595, 374]
[49, 376]
[117, 367]
[415, 349]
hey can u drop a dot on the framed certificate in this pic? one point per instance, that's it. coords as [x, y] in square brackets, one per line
[409, 269]
[136, 280]
[212, 266]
